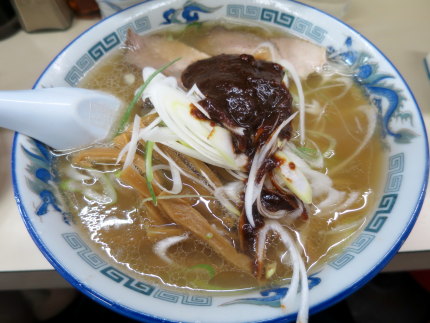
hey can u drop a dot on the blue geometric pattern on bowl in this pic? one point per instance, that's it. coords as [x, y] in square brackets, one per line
[114, 274]
[272, 297]
[377, 221]
[377, 88]
[86, 254]
[187, 299]
[287, 20]
[189, 12]
[43, 180]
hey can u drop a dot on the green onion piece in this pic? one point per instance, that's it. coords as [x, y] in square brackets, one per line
[70, 185]
[149, 147]
[307, 151]
[331, 143]
[183, 143]
[64, 185]
[196, 24]
[207, 267]
[151, 191]
[138, 95]
[178, 196]
[270, 270]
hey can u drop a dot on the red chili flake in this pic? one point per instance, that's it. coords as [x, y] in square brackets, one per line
[292, 165]
[258, 133]
[279, 160]
[196, 113]
[211, 133]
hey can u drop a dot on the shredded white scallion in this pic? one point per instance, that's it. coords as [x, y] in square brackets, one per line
[233, 190]
[131, 146]
[74, 174]
[195, 91]
[273, 50]
[194, 95]
[174, 170]
[299, 277]
[145, 131]
[332, 142]
[174, 115]
[291, 215]
[123, 151]
[269, 214]
[108, 194]
[332, 198]
[176, 179]
[159, 134]
[179, 147]
[161, 247]
[220, 196]
[295, 76]
[237, 174]
[172, 163]
[346, 227]
[351, 198]
[371, 114]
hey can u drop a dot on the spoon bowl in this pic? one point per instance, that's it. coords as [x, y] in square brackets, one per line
[63, 118]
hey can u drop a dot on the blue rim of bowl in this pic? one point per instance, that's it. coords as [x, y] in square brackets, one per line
[121, 309]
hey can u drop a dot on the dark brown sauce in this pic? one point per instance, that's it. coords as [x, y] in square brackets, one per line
[248, 233]
[244, 92]
[269, 164]
[275, 201]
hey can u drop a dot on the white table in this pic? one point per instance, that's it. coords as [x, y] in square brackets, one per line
[399, 28]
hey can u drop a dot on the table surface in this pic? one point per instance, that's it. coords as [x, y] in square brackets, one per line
[401, 31]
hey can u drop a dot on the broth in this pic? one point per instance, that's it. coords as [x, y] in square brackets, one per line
[127, 229]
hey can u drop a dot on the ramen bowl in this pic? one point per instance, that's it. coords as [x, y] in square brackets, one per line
[91, 272]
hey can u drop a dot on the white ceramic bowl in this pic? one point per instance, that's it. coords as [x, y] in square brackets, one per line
[390, 223]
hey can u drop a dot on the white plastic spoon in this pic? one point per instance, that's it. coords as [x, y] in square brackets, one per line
[63, 118]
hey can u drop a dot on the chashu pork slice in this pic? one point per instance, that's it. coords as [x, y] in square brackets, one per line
[156, 51]
[220, 40]
[305, 56]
